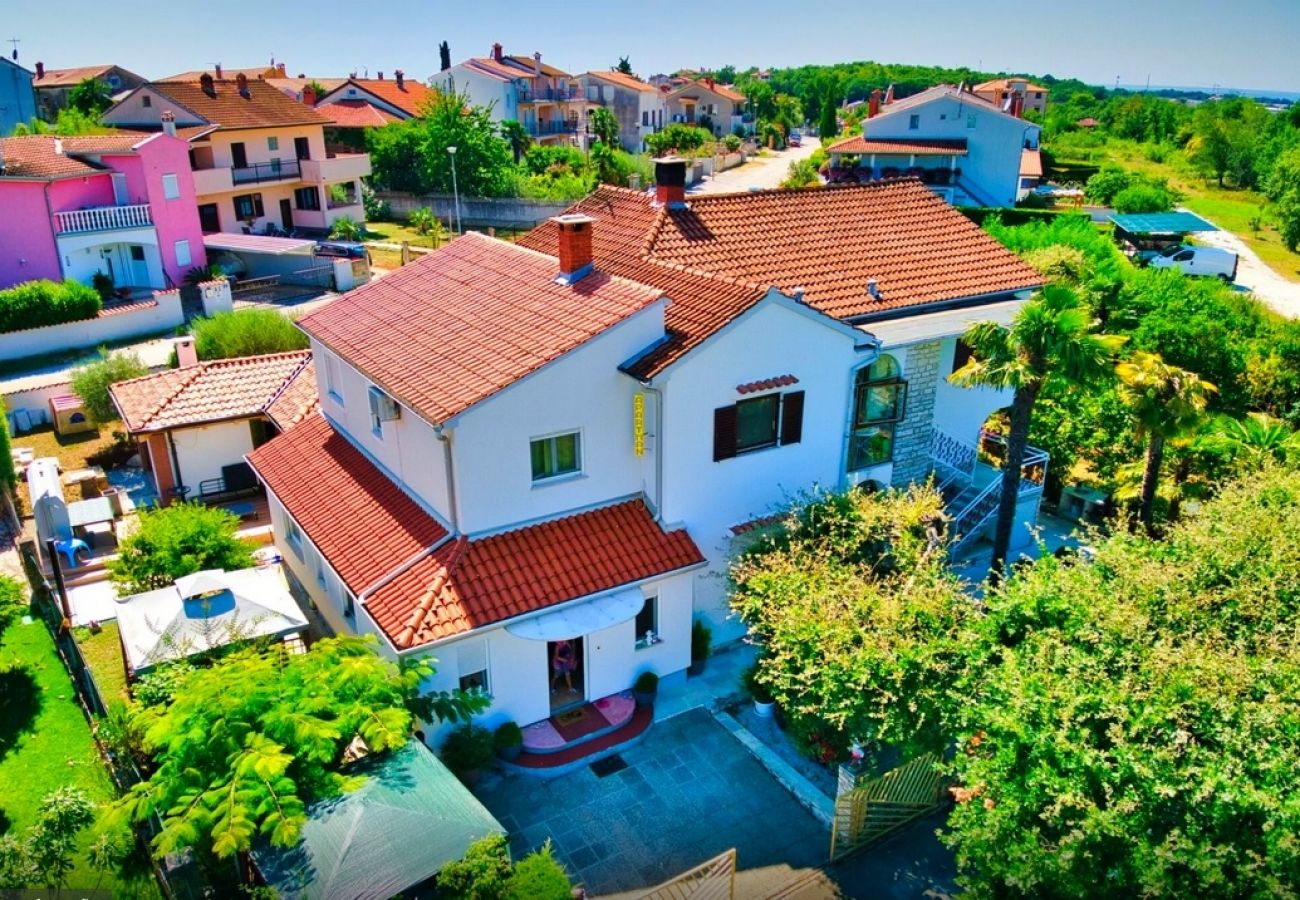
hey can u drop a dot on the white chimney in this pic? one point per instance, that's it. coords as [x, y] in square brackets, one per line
[873, 288]
[169, 123]
[537, 63]
[58, 146]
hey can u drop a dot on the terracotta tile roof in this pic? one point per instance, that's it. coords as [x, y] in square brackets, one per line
[721, 90]
[358, 518]
[831, 241]
[766, 384]
[34, 156]
[294, 85]
[410, 97]
[297, 400]
[69, 77]
[498, 70]
[526, 62]
[208, 392]
[939, 90]
[1004, 84]
[477, 315]
[628, 81]
[356, 114]
[859, 144]
[466, 584]
[1031, 164]
[265, 106]
[256, 73]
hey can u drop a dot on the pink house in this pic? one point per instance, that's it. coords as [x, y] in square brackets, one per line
[121, 204]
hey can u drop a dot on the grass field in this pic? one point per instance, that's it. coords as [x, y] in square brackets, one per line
[75, 451]
[45, 743]
[103, 654]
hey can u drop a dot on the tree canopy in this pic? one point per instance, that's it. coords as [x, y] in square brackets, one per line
[91, 382]
[90, 97]
[178, 540]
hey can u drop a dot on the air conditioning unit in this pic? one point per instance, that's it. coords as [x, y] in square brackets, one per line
[383, 407]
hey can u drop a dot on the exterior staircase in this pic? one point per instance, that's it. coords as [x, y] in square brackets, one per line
[971, 489]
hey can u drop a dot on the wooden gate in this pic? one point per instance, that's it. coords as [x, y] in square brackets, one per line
[712, 880]
[876, 808]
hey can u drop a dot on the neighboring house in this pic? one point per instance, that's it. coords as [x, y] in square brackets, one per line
[562, 438]
[1002, 92]
[706, 102]
[17, 99]
[357, 104]
[53, 86]
[220, 73]
[259, 158]
[641, 108]
[195, 423]
[966, 149]
[121, 204]
[547, 101]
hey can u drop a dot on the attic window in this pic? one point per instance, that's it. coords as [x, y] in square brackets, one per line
[146, 101]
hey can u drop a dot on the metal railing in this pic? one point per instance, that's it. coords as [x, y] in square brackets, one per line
[276, 170]
[104, 218]
[967, 521]
[554, 126]
[953, 458]
[532, 96]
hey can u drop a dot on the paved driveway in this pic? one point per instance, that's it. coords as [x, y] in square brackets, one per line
[690, 791]
[761, 172]
[1255, 275]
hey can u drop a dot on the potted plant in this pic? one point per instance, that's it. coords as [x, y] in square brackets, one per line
[644, 689]
[701, 645]
[509, 741]
[467, 751]
[760, 693]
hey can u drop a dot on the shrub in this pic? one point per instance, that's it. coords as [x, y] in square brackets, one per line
[13, 601]
[200, 274]
[539, 877]
[732, 142]
[701, 640]
[422, 220]
[760, 692]
[646, 683]
[802, 173]
[542, 159]
[102, 283]
[158, 686]
[91, 382]
[246, 332]
[1102, 187]
[376, 210]
[1142, 198]
[481, 874]
[677, 136]
[467, 749]
[507, 736]
[178, 540]
[1059, 263]
[346, 228]
[8, 477]
[34, 304]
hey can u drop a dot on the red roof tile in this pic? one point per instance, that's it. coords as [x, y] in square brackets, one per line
[410, 97]
[631, 82]
[466, 584]
[362, 522]
[498, 70]
[356, 114]
[460, 324]
[69, 77]
[265, 106]
[859, 144]
[209, 392]
[297, 400]
[34, 156]
[766, 384]
[1031, 164]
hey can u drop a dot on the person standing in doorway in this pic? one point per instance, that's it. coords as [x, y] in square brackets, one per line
[563, 662]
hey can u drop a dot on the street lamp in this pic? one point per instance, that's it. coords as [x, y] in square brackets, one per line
[455, 192]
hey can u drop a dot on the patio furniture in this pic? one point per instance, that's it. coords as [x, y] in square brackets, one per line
[72, 549]
[90, 512]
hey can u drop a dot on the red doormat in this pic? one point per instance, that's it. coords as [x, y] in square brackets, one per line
[580, 722]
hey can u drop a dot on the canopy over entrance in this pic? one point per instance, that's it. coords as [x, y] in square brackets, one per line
[1165, 224]
[581, 618]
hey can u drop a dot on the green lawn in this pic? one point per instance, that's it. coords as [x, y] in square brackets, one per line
[396, 232]
[103, 654]
[45, 743]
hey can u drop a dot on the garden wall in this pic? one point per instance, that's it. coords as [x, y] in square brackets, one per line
[496, 212]
[128, 320]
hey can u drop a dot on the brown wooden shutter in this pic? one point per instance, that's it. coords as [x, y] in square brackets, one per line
[724, 433]
[792, 417]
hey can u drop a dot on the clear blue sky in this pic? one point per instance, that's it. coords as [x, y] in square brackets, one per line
[1246, 43]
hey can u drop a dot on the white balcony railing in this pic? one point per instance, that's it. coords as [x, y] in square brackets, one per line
[104, 218]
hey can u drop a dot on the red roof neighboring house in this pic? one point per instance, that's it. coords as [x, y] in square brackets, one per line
[260, 105]
[356, 114]
[218, 391]
[478, 315]
[1087, 122]
[1031, 164]
[56, 78]
[408, 95]
[918, 147]
[631, 82]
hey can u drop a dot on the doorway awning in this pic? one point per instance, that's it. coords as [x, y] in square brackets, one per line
[581, 618]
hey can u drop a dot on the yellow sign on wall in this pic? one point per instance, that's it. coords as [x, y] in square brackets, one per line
[638, 424]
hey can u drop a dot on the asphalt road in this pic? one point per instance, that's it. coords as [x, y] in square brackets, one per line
[764, 172]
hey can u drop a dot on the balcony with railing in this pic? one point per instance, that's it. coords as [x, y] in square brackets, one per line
[553, 127]
[549, 94]
[104, 218]
[335, 168]
[260, 173]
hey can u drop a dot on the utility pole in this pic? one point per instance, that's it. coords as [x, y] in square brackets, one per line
[455, 191]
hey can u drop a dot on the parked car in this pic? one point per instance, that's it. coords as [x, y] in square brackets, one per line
[796, 138]
[342, 249]
[1203, 261]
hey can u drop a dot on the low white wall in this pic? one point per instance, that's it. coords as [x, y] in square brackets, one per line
[162, 313]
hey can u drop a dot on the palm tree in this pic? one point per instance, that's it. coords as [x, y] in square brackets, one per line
[1258, 439]
[517, 137]
[1050, 342]
[1166, 402]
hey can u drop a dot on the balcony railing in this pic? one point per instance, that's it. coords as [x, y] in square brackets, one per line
[275, 170]
[104, 218]
[547, 93]
[555, 126]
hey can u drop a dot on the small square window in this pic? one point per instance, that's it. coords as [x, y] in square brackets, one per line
[559, 454]
[475, 681]
[183, 257]
[171, 187]
[647, 624]
[914, 121]
[273, 143]
[472, 666]
[146, 101]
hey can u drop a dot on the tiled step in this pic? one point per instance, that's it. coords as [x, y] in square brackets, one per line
[584, 751]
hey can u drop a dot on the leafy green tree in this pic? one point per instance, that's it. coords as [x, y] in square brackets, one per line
[250, 742]
[481, 874]
[1166, 402]
[178, 540]
[624, 66]
[90, 97]
[1051, 342]
[412, 155]
[539, 876]
[1288, 219]
[45, 853]
[91, 382]
[1142, 198]
[828, 123]
[801, 173]
[246, 332]
[13, 601]
[516, 135]
[1258, 440]
[1211, 147]
[604, 126]
[444, 56]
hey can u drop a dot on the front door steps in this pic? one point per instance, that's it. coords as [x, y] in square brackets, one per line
[577, 737]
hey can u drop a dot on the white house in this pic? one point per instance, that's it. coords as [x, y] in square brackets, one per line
[970, 151]
[641, 108]
[560, 439]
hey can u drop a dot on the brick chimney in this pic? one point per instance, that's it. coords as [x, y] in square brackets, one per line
[537, 64]
[401, 79]
[169, 123]
[873, 105]
[186, 355]
[40, 71]
[380, 75]
[670, 181]
[309, 95]
[574, 246]
[242, 80]
[1017, 105]
[206, 85]
[279, 67]
[496, 52]
[217, 69]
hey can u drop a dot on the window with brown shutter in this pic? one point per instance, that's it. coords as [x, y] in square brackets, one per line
[757, 423]
[724, 433]
[792, 417]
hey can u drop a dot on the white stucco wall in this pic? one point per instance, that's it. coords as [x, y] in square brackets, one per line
[483, 90]
[962, 411]
[202, 451]
[165, 314]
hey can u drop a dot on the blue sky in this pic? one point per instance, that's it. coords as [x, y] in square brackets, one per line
[1247, 43]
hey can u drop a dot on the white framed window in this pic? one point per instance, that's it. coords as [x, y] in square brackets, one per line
[273, 144]
[293, 536]
[171, 187]
[472, 665]
[555, 455]
[183, 257]
[647, 624]
[383, 408]
[333, 379]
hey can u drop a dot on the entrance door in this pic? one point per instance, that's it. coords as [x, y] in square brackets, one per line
[238, 156]
[209, 218]
[567, 672]
[301, 148]
[286, 215]
[139, 267]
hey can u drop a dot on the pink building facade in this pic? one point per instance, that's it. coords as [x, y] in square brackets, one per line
[123, 205]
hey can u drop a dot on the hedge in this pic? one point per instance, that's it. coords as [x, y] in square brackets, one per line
[1014, 216]
[35, 304]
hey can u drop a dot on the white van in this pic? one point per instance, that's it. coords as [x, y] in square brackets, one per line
[1207, 261]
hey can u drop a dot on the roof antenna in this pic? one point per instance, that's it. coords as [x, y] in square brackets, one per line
[15, 42]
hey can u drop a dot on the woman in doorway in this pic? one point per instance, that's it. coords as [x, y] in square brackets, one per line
[563, 662]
